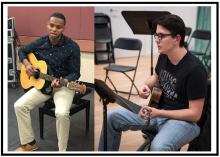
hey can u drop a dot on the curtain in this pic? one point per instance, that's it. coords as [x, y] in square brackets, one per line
[204, 23]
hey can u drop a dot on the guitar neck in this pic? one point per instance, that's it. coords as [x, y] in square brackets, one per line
[51, 78]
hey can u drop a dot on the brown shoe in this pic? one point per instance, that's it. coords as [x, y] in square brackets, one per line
[27, 147]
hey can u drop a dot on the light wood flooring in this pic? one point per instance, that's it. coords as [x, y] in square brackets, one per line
[131, 140]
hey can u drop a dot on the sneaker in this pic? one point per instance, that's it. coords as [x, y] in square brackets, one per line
[27, 147]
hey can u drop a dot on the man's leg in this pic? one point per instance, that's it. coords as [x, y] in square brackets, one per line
[63, 99]
[173, 134]
[117, 121]
[22, 107]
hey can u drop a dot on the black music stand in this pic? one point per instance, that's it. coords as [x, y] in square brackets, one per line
[108, 96]
[140, 22]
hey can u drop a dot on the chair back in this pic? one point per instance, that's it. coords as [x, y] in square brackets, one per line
[207, 106]
[101, 19]
[188, 31]
[203, 141]
[128, 44]
[103, 37]
[200, 35]
[103, 32]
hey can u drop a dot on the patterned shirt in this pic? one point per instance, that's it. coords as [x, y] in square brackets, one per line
[63, 59]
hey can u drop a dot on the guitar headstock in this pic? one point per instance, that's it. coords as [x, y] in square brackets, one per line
[77, 87]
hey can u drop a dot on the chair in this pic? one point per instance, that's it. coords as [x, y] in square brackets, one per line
[103, 38]
[125, 44]
[78, 104]
[204, 54]
[188, 31]
[203, 141]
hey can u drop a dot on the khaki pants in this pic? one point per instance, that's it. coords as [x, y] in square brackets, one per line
[63, 98]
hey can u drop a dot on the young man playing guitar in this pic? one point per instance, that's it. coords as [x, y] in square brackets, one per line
[62, 56]
[183, 81]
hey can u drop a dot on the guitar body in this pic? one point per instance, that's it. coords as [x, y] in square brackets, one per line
[26, 81]
[155, 97]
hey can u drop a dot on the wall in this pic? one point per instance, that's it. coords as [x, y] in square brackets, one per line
[121, 29]
[87, 67]
[30, 23]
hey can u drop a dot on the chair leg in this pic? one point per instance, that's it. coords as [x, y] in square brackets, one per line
[112, 51]
[108, 49]
[41, 116]
[87, 116]
[144, 146]
[132, 84]
[113, 55]
[96, 56]
[106, 77]
[112, 85]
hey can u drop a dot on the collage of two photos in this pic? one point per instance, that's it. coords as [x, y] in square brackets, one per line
[99, 79]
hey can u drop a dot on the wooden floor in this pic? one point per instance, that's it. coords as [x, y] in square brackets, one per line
[122, 83]
[131, 140]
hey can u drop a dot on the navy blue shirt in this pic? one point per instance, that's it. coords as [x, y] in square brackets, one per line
[63, 58]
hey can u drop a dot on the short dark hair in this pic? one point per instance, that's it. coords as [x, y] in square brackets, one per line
[59, 15]
[174, 24]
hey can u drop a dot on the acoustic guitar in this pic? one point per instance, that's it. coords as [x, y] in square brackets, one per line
[155, 97]
[153, 102]
[40, 76]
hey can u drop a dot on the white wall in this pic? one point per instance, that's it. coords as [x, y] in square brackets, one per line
[87, 67]
[121, 29]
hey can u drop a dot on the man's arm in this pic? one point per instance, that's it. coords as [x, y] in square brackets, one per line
[29, 67]
[32, 47]
[147, 86]
[74, 64]
[192, 114]
[24, 51]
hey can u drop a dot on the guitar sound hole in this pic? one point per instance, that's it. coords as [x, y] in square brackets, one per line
[37, 74]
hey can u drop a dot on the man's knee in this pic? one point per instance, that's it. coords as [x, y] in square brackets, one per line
[62, 114]
[162, 146]
[115, 120]
[20, 107]
[113, 116]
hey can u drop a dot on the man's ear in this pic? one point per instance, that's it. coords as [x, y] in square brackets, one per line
[178, 38]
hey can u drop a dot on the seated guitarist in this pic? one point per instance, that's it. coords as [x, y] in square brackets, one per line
[62, 55]
[183, 81]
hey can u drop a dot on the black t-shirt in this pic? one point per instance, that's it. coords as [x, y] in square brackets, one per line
[182, 82]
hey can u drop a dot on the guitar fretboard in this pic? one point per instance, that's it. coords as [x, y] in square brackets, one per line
[51, 78]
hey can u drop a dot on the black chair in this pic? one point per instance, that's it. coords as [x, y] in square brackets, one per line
[103, 38]
[202, 142]
[133, 45]
[188, 31]
[204, 54]
[78, 104]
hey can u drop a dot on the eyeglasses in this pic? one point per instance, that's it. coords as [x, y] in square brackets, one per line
[160, 36]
